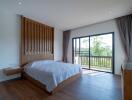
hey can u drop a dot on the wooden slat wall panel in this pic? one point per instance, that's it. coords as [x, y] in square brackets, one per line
[37, 38]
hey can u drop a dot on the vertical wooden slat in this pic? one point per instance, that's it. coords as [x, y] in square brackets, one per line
[36, 38]
[30, 36]
[31, 47]
[40, 38]
[49, 40]
[46, 39]
[43, 39]
[26, 37]
[28, 32]
[23, 35]
[52, 40]
[33, 37]
[31, 30]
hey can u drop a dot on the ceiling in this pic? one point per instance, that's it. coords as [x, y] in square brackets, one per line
[68, 14]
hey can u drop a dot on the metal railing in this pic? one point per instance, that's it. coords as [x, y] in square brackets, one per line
[103, 63]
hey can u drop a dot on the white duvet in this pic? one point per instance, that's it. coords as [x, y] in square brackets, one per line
[51, 73]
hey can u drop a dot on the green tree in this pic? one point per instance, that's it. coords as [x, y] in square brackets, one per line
[99, 49]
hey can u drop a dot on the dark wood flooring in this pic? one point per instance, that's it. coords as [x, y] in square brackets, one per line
[97, 86]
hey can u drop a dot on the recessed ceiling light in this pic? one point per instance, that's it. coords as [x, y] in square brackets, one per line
[19, 3]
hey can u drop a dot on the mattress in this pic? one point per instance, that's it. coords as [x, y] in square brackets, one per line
[51, 73]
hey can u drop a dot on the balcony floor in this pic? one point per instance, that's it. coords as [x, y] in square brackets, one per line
[104, 69]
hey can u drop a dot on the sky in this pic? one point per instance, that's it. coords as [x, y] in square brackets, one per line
[106, 39]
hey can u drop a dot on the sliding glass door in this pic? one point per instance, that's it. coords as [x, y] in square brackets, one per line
[94, 52]
[101, 52]
[81, 51]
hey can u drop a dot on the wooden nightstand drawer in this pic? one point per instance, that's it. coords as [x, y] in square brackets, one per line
[12, 71]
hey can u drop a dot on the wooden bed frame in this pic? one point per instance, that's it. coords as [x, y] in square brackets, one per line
[59, 87]
[37, 43]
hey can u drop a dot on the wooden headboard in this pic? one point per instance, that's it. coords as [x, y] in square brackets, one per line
[37, 41]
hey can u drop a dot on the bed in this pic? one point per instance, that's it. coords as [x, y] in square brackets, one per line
[37, 58]
[50, 73]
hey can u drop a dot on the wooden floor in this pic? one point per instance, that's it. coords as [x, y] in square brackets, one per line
[91, 86]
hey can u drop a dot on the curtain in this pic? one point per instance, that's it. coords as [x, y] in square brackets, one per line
[125, 29]
[66, 38]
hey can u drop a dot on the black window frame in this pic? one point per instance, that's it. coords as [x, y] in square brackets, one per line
[113, 48]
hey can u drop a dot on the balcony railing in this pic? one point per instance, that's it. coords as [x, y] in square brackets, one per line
[103, 63]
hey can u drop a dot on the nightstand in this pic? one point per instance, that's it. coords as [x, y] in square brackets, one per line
[12, 71]
[127, 82]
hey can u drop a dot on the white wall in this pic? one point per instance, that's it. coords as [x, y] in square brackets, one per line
[104, 27]
[58, 45]
[10, 42]
[9, 39]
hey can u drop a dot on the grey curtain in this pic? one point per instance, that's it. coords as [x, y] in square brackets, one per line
[125, 29]
[66, 38]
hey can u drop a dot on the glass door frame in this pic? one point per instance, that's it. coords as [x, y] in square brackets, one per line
[113, 49]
